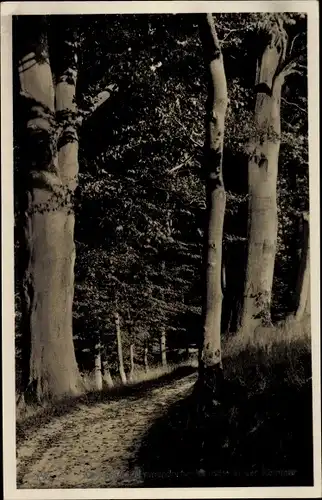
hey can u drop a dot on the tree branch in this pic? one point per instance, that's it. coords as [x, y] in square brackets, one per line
[292, 68]
[294, 104]
[174, 169]
[212, 25]
[97, 102]
[292, 44]
[230, 31]
[190, 137]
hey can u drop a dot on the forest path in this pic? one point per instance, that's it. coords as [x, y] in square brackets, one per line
[96, 446]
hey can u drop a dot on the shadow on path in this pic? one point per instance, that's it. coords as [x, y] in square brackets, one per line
[62, 407]
[248, 440]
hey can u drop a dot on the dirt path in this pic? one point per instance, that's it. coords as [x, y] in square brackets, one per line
[95, 446]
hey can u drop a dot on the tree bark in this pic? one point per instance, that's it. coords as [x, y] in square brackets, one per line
[163, 348]
[262, 180]
[119, 348]
[302, 302]
[107, 378]
[145, 359]
[131, 375]
[211, 356]
[98, 368]
[49, 253]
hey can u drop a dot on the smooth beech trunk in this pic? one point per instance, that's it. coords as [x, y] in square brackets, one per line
[302, 300]
[145, 359]
[262, 178]
[98, 369]
[119, 348]
[163, 348]
[48, 276]
[107, 378]
[131, 375]
[211, 356]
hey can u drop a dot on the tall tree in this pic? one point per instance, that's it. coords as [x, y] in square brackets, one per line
[50, 168]
[262, 171]
[211, 356]
[107, 378]
[119, 347]
[302, 301]
[98, 368]
[46, 73]
[131, 374]
[145, 358]
[163, 348]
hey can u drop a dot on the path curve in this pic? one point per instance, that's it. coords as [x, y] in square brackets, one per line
[96, 446]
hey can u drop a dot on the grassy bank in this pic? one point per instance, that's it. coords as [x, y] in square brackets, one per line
[26, 411]
[261, 432]
[31, 417]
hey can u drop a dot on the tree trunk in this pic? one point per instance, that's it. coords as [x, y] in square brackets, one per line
[119, 348]
[262, 180]
[145, 359]
[210, 360]
[98, 369]
[49, 253]
[163, 348]
[223, 277]
[107, 379]
[302, 301]
[129, 326]
[131, 376]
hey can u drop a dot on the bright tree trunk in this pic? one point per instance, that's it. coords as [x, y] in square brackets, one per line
[262, 181]
[211, 356]
[163, 348]
[107, 378]
[145, 359]
[119, 348]
[48, 280]
[302, 300]
[131, 375]
[98, 368]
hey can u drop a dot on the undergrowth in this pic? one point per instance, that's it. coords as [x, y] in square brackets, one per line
[280, 354]
[260, 431]
[139, 375]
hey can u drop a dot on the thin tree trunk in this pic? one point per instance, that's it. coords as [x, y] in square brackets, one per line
[145, 359]
[223, 277]
[119, 348]
[107, 378]
[302, 293]
[131, 375]
[98, 368]
[129, 326]
[211, 356]
[262, 179]
[163, 348]
[48, 228]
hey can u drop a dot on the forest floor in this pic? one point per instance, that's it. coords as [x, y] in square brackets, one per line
[161, 433]
[95, 445]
